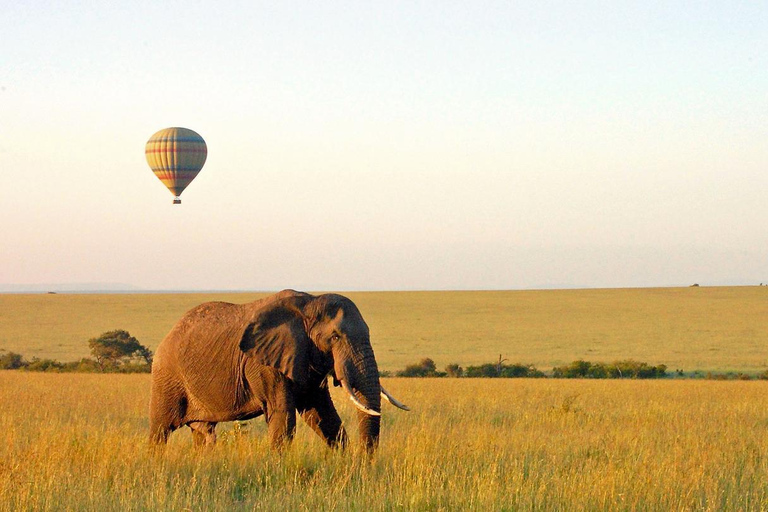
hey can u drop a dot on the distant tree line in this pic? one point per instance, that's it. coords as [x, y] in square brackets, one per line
[627, 369]
[427, 368]
[112, 352]
[580, 369]
[119, 352]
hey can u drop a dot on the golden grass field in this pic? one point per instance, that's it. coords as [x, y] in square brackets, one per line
[77, 442]
[707, 329]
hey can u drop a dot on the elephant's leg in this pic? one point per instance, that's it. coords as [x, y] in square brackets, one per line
[167, 406]
[158, 434]
[203, 433]
[282, 427]
[320, 414]
[280, 407]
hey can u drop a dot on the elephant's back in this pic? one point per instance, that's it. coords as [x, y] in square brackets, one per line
[205, 320]
[198, 324]
[203, 354]
[211, 329]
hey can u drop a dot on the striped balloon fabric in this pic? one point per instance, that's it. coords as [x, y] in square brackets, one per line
[176, 155]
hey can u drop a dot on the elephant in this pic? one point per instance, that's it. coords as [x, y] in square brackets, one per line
[272, 357]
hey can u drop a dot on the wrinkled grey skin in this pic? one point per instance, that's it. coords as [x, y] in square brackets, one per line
[225, 362]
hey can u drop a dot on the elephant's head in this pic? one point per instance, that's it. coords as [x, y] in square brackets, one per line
[307, 337]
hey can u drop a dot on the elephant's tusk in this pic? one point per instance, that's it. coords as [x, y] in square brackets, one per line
[394, 401]
[357, 402]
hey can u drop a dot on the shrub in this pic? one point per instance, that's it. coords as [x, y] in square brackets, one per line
[576, 370]
[454, 370]
[627, 369]
[43, 365]
[11, 361]
[85, 365]
[424, 368]
[636, 370]
[134, 368]
[484, 370]
[520, 370]
[600, 371]
[491, 370]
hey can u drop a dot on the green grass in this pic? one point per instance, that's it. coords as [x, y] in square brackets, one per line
[708, 329]
[78, 442]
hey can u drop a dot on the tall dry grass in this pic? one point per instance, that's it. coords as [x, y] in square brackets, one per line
[77, 442]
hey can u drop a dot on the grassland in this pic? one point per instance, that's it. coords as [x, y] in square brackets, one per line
[707, 329]
[77, 442]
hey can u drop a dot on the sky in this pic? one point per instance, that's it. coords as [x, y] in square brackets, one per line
[386, 145]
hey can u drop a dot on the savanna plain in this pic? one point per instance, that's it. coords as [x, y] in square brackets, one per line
[78, 441]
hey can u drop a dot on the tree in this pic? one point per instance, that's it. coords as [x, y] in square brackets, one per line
[116, 348]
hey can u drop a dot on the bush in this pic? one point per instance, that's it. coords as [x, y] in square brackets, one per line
[522, 370]
[576, 370]
[427, 368]
[43, 365]
[424, 368]
[484, 370]
[454, 370]
[636, 370]
[85, 365]
[627, 369]
[11, 361]
[491, 370]
[134, 368]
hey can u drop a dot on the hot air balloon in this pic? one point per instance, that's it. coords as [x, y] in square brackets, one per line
[176, 155]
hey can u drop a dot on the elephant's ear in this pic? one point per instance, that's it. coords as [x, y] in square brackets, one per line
[277, 338]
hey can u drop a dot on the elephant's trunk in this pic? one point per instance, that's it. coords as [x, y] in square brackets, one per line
[368, 427]
[359, 375]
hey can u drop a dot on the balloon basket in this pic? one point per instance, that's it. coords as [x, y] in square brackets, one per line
[177, 200]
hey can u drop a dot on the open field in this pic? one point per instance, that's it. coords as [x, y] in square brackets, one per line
[708, 329]
[77, 442]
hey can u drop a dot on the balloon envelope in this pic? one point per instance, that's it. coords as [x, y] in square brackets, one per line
[176, 155]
